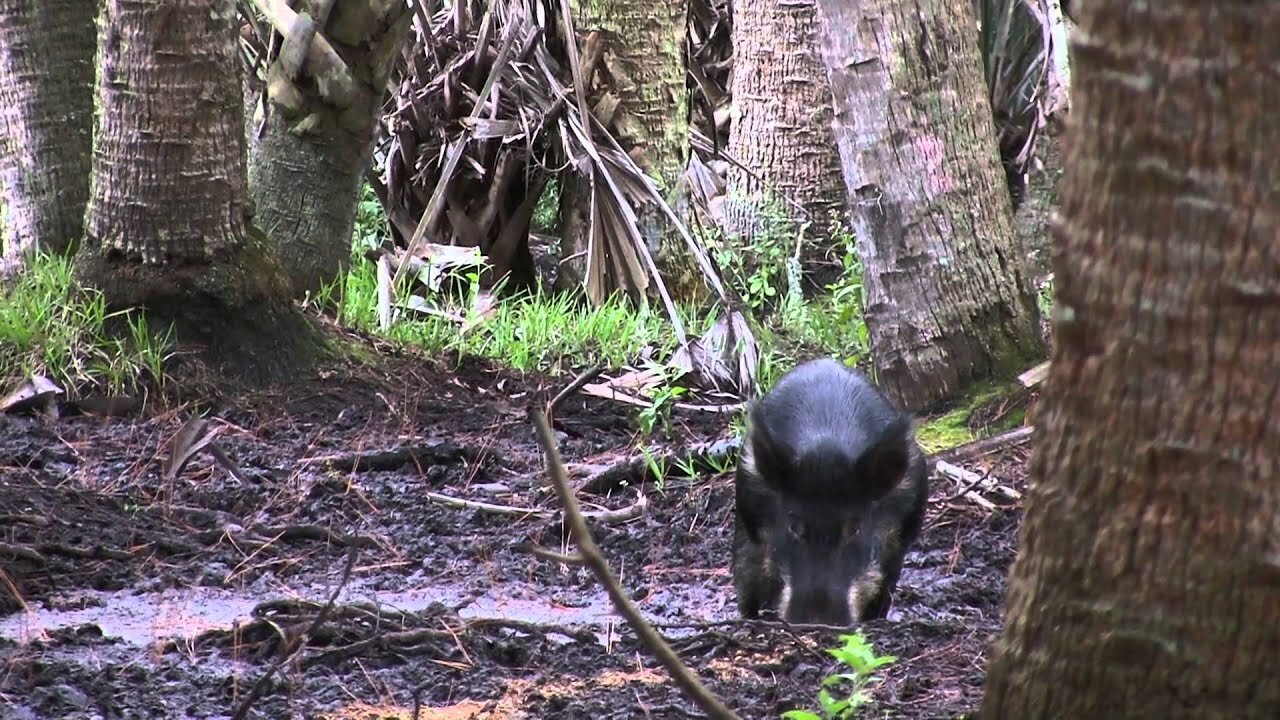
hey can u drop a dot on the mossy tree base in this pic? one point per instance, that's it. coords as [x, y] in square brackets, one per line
[235, 316]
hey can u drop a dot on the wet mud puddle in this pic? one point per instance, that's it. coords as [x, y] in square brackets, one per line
[143, 618]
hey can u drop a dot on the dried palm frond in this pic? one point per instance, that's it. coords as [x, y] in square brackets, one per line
[468, 154]
[1018, 47]
[709, 32]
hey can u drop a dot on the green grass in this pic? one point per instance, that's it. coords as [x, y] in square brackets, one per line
[52, 327]
[551, 332]
[537, 330]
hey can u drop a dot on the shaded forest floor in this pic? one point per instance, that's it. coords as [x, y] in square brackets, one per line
[127, 594]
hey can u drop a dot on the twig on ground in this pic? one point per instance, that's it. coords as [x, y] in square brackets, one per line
[261, 535]
[985, 446]
[97, 552]
[552, 555]
[9, 519]
[492, 508]
[609, 392]
[297, 643]
[959, 474]
[582, 635]
[966, 491]
[573, 387]
[230, 465]
[23, 552]
[401, 639]
[591, 554]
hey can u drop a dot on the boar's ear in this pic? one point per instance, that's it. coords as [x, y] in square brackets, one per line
[767, 454]
[883, 465]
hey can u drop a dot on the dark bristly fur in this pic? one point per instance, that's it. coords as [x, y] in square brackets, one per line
[830, 492]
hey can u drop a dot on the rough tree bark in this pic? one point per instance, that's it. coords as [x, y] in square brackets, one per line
[1148, 578]
[168, 226]
[640, 79]
[948, 298]
[46, 123]
[309, 164]
[782, 128]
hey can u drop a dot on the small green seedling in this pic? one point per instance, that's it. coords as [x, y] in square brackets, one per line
[861, 660]
[719, 464]
[659, 413]
[657, 468]
[687, 467]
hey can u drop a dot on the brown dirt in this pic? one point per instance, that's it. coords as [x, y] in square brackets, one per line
[124, 608]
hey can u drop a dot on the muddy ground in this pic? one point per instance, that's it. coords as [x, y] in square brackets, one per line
[129, 594]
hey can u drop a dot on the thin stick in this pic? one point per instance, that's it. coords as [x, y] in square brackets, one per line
[985, 446]
[592, 556]
[578, 383]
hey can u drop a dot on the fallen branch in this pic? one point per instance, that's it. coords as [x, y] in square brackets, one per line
[313, 532]
[9, 520]
[402, 640]
[259, 535]
[582, 635]
[985, 446]
[1035, 375]
[492, 508]
[213, 517]
[96, 552]
[552, 555]
[592, 556]
[609, 392]
[967, 492]
[22, 552]
[973, 479]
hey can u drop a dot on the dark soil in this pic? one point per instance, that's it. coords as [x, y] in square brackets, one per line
[126, 594]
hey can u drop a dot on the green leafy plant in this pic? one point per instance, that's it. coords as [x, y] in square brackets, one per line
[843, 694]
[760, 273]
[1044, 298]
[687, 467]
[658, 413]
[371, 222]
[657, 468]
[833, 324]
[546, 212]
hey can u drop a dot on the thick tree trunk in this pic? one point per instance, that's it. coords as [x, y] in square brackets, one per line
[168, 226]
[308, 166]
[1148, 580]
[46, 123]
[948, 298]
[782, 129]
[642, 67]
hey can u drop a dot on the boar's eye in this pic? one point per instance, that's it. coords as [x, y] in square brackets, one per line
[795, 528]
[851, 530]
